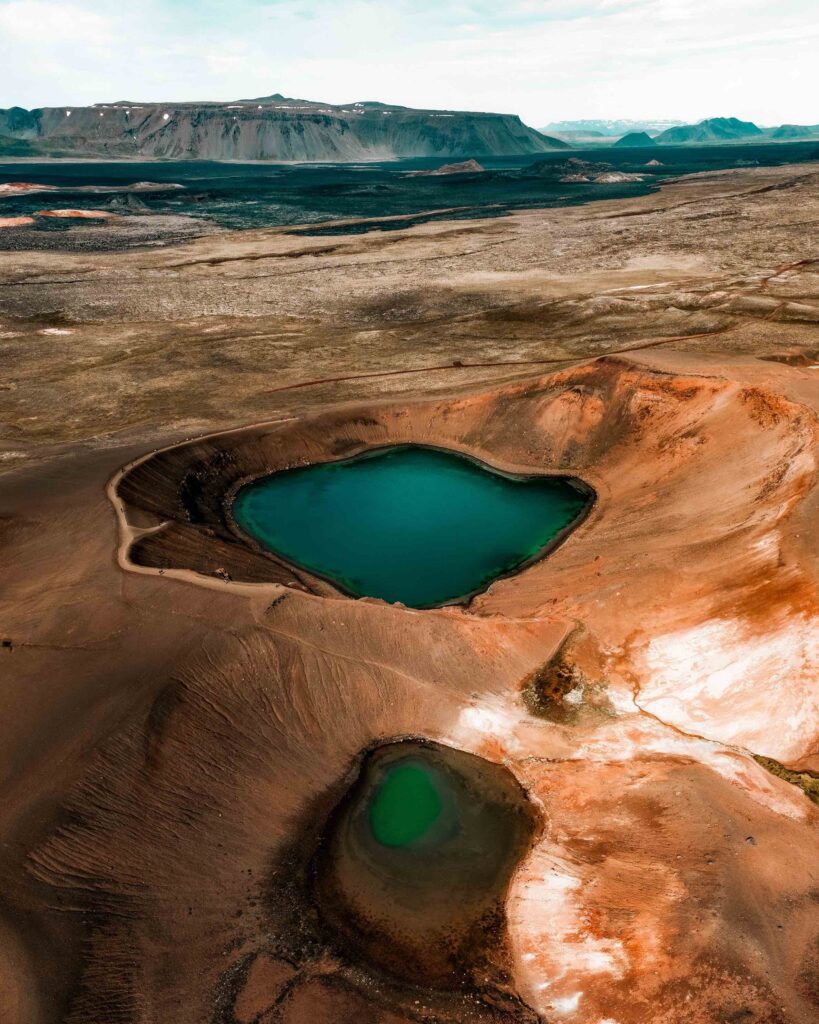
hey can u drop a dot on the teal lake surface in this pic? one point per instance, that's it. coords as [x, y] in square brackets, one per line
[410, 524]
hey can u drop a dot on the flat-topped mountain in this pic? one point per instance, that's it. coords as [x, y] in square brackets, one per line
[266, 128]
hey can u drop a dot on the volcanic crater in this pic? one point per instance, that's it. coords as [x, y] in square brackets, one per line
[265, 733]
[194, 729]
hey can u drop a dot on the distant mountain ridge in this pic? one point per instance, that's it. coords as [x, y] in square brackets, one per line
[611, 128]
[715, 130]
[712, 129]
[793, 131]
[275, 127]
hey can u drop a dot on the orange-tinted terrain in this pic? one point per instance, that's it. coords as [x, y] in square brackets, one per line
[627, 728]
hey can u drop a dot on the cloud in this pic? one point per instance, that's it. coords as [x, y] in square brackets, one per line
[544, 59]
[41, 23]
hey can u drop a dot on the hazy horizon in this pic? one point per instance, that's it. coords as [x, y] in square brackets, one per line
[549, 61]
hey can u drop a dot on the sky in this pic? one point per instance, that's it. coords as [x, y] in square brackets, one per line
[546, 60]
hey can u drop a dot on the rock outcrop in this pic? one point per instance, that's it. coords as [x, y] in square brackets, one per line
[464, 167]
[574, 167]
[616, 178]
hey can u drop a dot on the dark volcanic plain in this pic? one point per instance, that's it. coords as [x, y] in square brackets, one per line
[182, 715]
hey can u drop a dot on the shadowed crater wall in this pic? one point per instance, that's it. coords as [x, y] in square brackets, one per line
[417, 857]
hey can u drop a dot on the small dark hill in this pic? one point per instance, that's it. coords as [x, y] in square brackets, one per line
[573, 168]
[635, 140]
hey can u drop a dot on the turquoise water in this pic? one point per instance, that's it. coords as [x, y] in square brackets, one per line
[408, 524]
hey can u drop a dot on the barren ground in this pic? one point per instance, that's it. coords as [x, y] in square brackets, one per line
[170, 734]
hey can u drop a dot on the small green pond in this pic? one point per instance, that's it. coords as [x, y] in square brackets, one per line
[411, 524]
[406, 805]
